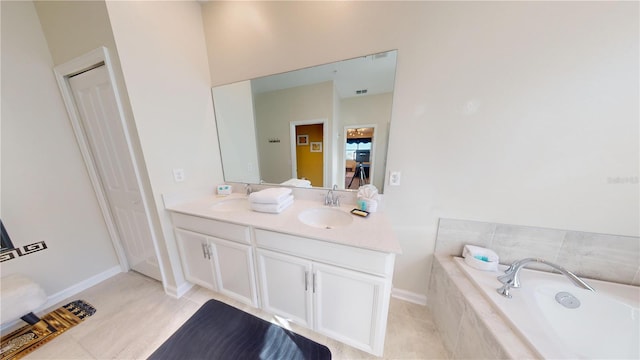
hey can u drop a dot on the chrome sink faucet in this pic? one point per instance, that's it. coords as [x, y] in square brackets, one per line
[332, 199]
[511, 277]
[248, 189]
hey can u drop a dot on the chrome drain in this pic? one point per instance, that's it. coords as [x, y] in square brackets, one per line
[567, 300]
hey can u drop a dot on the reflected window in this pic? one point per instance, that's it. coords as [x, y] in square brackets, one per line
[353, 148]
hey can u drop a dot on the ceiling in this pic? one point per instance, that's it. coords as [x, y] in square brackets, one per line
[359, 133]
[375, 73]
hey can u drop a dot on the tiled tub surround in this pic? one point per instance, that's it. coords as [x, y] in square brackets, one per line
[469, 324]
[590, 255]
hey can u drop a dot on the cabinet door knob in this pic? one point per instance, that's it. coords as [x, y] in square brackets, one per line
[306, 281]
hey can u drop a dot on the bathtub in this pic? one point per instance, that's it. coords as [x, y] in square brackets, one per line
[606, 324]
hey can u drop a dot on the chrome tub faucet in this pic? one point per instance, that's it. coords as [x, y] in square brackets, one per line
[511, 277]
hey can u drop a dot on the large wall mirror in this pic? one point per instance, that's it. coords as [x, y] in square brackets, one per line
[315, 127]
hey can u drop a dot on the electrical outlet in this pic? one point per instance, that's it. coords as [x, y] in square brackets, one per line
[178, 175]
[394, 178]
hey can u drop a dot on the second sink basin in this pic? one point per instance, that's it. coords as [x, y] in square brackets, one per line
[231, 204]
[325, 218]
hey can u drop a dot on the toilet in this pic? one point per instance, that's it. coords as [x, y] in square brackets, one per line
[19, 298]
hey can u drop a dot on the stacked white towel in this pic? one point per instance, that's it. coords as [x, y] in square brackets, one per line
[271, 200]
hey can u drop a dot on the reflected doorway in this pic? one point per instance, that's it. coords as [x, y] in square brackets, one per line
[308, 160]
[358, 156]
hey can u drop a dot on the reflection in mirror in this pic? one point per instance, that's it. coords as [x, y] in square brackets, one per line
[359, 156]
[308, 160]
[316, 127]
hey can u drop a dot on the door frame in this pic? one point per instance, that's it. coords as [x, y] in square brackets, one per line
[63, 72]
[293, 142]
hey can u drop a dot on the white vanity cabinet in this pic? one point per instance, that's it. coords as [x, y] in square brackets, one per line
[348, 305]
[336, 290]
[196, 261]
[336, 282]
[217, 255]
[286, 289]
[234, 269]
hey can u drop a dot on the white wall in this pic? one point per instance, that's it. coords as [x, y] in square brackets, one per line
[46, 192]
[517, 112]
[337, 165]
[164, 62]
[74, 28]
[237, 132]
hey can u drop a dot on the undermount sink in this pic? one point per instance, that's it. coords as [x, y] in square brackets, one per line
[231, 204]
[325, 218]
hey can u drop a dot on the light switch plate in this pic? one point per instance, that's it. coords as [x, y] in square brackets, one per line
[394, 178]
[178, 175]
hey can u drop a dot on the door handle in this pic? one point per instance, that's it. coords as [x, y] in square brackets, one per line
[206, 251]
[314, 283]
[306, 281]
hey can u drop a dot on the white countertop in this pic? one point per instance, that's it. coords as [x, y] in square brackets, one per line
[373, 232]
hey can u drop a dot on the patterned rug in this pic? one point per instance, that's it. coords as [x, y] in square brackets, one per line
[30, 337]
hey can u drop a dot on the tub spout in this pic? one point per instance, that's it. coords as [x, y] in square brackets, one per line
[511, 277]
[504, 289]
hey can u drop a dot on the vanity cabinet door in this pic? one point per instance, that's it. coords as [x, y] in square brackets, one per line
[286, 286]
[233, 264]
[350, 307]
[195, 256]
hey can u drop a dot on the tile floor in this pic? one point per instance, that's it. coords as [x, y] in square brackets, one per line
[134, 317]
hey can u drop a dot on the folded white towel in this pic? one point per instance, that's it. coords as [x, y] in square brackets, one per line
[297, 183]
[270, 196]
[272, 208]
[368, 191]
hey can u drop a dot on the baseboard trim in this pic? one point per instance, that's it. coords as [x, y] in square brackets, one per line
[179, 291]
[58, 297]
[81, 286]
[409, 296]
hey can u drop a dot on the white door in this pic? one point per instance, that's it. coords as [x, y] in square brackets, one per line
[98, 111]
[348, 305]
[233, 264]
[286, 286]
[195, 254]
